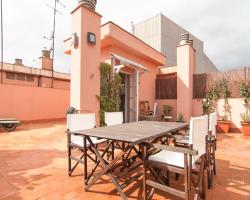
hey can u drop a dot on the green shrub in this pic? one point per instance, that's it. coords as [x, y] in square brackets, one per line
[111, 89]
[225, 93]
[244, 92]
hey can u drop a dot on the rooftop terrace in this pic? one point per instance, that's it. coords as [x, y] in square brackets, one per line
[33, 165]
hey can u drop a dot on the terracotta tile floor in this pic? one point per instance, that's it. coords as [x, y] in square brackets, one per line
[33, 165]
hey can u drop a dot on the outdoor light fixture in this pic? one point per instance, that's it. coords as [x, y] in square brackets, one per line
[74, 40]
[91, 38]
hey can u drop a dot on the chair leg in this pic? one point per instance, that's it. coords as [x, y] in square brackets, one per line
[69, 161]
[214, 159]
[69, 154]
[202, 181]
[145, 197]
[113, 150]
[123, 147]
[203, 190]
[85, 176]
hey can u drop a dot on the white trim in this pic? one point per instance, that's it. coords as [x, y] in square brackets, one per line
[137, 95]
[127, 62]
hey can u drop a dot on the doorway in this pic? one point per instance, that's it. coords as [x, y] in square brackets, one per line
[129, 99]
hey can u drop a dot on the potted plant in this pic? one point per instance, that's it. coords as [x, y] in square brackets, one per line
[245, 123]
[209, 103]
[223, 124]
[111, 89]
[206, 105]
[180, 118]
[167, 109]
[213, 95]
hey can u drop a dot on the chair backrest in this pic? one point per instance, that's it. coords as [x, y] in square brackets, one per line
[76, 122]
[113, 118]
[198, 132]
[213, 123]
[155, 108]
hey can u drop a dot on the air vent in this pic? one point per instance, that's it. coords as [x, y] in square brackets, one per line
[88, 3]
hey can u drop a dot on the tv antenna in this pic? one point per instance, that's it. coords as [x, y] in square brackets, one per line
[52, 35]
[132, 28]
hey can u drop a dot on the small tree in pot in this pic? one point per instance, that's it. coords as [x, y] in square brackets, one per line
[167, 109]
[245, 123]
[224, 123]
[210, 101]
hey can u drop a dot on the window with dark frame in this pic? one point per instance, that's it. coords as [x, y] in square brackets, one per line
[20, 77]
[30, 78]
[10, 75]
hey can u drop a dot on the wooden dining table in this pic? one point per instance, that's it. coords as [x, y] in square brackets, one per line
[134, 134]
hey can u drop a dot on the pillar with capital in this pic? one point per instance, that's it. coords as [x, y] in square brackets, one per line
[185, 69]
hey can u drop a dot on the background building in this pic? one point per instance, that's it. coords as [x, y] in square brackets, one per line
[164, 35]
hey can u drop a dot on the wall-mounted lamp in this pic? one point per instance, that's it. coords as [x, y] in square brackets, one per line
[74, 40]
[91, 38]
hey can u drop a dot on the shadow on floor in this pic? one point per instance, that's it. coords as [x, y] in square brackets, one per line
[26, 169]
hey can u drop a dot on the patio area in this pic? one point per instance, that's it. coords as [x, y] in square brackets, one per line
[33, 165]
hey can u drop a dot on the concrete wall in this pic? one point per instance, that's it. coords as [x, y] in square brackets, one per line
[32, 103]
[149, 31]
[164, 35]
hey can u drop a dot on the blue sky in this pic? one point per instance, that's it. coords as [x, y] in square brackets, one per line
[223, 25]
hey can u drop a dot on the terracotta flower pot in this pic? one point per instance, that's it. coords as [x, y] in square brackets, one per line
[245, 128]
[223, 126]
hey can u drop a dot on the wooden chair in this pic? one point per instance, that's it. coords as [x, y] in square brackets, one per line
[144, 109]
[189, 162]
[77, 122]
[114, 118]
[182, 140]
[211, 148]
[152, 114]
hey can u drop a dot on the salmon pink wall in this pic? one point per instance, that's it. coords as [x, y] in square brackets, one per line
[185, 71]
[147, 79]
[236, 108]
[32, 103]
[170, 102]
[85, 61]
[197, 108]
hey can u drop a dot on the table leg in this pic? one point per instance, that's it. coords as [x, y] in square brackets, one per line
[107, 168]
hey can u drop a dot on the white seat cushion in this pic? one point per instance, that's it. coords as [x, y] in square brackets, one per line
[78, 140]
[169, 158]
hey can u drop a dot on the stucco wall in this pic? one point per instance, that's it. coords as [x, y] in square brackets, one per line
[32, 103]
[235, 103]
[147, 79]
[170, 102]
[236, 108]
